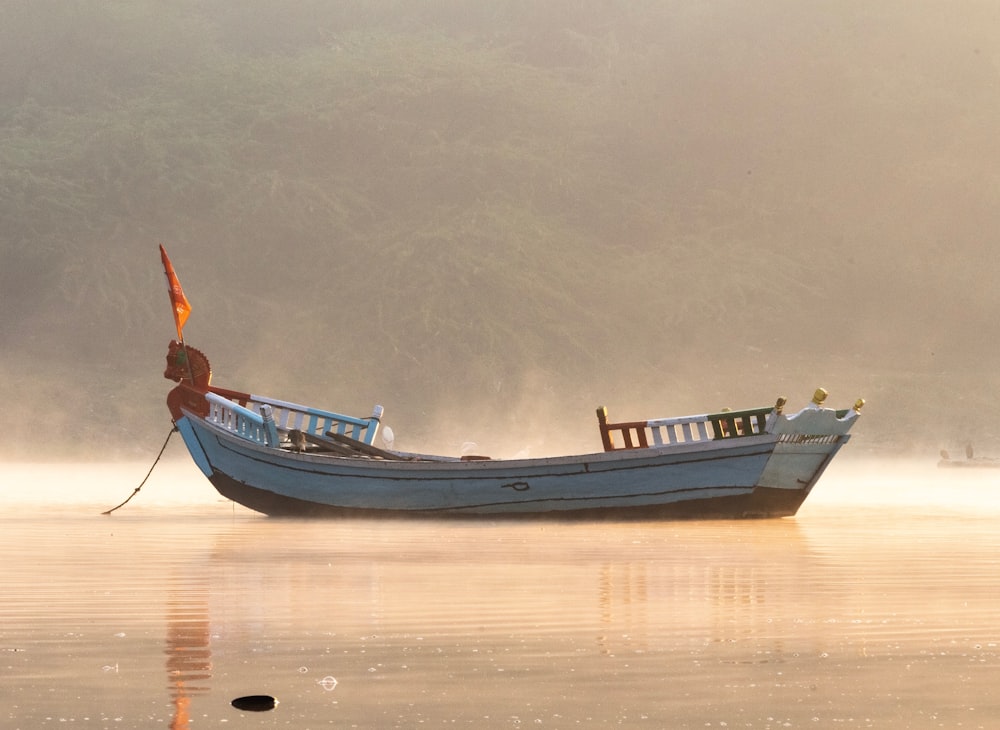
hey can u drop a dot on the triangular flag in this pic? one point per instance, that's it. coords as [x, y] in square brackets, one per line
[178, 301]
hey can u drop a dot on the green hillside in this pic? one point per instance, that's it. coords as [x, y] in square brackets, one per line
[493, 217]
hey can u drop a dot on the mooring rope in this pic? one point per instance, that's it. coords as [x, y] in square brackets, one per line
[162, 449]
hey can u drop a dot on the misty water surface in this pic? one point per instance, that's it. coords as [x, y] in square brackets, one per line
[875, 607]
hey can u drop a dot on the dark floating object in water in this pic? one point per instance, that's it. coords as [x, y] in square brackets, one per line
[255, 703]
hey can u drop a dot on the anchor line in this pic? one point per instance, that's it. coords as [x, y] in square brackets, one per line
[155, 462]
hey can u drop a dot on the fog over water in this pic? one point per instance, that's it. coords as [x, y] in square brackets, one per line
[493, 219]
[852, 482]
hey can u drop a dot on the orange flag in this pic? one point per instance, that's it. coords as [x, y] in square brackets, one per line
[177, 299]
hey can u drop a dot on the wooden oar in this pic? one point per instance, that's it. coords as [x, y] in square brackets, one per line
[337, 443]
[330, 445]
[362, 447]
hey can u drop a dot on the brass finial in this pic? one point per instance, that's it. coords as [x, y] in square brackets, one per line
[819, 396]
[859, 404]
[779, 405]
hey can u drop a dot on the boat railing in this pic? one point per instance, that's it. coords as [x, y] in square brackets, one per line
[316, 422]
[253, 425]
[263, 420]
[736, 424]
[682, 429]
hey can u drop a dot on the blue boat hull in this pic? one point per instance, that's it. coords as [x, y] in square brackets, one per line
[761, 502]
[705, 481]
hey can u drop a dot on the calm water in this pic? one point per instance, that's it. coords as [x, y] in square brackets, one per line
[877, 607]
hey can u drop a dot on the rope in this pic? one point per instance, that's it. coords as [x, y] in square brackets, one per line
[162, 449]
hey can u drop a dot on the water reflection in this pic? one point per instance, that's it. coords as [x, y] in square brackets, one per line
[622, 595]
[853, 615]
[189, 656]
[631, 587]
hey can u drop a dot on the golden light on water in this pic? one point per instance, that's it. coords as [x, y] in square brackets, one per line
[877, 601]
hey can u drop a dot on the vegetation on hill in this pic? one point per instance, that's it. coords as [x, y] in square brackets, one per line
[492, 217]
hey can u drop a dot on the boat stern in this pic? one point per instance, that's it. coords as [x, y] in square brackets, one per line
[807, 442]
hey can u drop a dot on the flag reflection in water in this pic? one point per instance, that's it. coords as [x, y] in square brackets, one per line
[189, 657]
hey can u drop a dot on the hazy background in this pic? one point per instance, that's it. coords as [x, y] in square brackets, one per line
[492, 217]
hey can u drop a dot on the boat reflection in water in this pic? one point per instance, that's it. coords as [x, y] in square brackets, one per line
[613, 587]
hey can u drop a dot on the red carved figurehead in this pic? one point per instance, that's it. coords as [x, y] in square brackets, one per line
[190, 368]
[187, 365]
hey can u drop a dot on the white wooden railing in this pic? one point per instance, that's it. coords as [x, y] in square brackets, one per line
[262, 420]
[253, 425]
[682, 429]
[317, 422]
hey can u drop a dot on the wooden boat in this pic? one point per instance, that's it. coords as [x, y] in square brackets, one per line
[282, 458]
